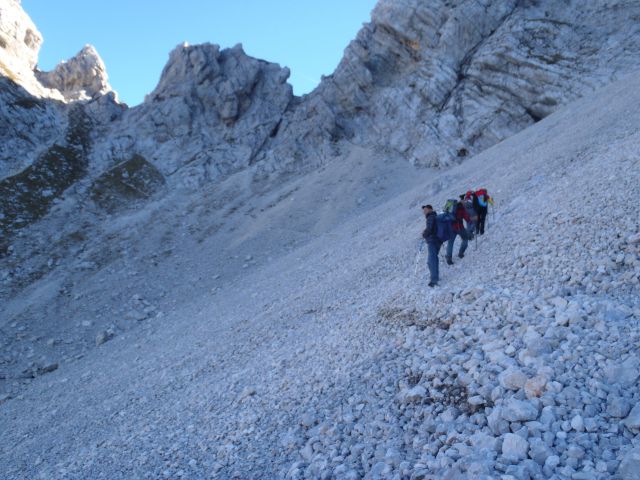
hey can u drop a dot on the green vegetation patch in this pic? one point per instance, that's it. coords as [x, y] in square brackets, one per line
[125, 184]
[27, 196]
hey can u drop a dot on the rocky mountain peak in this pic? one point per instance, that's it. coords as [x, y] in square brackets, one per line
[20, 42]
[225, 79]
[82, 77]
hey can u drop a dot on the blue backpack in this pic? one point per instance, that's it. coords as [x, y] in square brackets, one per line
[444, 226]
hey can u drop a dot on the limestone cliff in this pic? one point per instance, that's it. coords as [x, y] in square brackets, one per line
[438, 81]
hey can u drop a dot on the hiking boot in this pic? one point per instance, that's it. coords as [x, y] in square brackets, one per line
[433, 284]
[449, 261]
[461, 255]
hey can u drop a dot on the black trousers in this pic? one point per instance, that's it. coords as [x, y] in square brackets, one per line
[482, 215]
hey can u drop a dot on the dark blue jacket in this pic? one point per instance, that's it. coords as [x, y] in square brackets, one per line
[430, 233]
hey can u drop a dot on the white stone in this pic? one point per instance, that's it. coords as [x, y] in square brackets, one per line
[519, 411]
[512, 379]
[633, 420]
[577, 423]
[630, 465]
[414, 394]
[514, 447]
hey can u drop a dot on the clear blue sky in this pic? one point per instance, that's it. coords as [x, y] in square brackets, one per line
[134, 37]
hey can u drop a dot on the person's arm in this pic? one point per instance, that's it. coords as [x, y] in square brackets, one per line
[431, 224]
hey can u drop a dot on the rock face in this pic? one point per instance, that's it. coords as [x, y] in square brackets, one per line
[20, 42]
[439, 81]
[26, 196]
[209, 116]
[27, 125]
[83, 77]
[434, 82]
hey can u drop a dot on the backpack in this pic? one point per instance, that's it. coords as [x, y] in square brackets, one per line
[444, 226]
[482, 196]
[450, 206]
[468, 206]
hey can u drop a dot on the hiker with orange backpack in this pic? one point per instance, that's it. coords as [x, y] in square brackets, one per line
[481, 202]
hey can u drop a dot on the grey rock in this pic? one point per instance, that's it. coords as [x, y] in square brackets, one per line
[618, 407]
[414, 394]
[496, 422]
[483, 441]
[512, 379]
[550, 464]
[633, 420]
[539, 451]
[574, 451]
[514, 447]
[47, 368]
[577, 423]
[629, 468]
[519, 411]
[104, 337]
[625, 373]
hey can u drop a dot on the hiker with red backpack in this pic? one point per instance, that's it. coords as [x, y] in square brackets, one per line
[481, 201]
[467, 201]
[459, 213]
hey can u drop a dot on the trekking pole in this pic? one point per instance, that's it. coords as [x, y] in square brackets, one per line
[420, 248]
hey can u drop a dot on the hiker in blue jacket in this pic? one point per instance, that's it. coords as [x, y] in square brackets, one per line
[430, 235]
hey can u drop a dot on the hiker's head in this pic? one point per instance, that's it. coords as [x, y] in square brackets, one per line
[427, 209]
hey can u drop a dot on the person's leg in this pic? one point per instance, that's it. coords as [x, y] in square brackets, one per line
[483, 216]
[450, 243]
[432, 261]
[438, 245]
[465, 242]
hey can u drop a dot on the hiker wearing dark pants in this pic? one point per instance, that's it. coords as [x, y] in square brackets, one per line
[430, 235]
[467, 201]
[460, 214]
[481, 201]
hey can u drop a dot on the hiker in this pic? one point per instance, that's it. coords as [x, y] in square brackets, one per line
[467, 201]
[460, 213]
[430, 234]
[481, 201]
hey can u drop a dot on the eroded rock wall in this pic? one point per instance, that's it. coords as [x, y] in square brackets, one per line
[438, 81]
